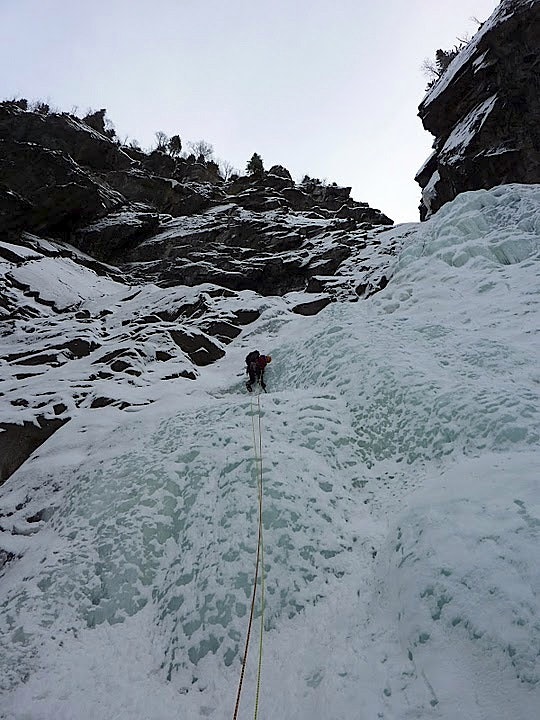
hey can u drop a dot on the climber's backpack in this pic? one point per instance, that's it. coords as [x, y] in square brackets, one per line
[251, 358]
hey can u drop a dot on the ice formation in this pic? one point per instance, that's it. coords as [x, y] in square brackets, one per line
[400, 441]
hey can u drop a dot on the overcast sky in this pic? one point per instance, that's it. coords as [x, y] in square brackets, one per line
[328, 88]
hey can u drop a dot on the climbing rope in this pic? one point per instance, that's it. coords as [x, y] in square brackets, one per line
[261, 545]
[259, 563]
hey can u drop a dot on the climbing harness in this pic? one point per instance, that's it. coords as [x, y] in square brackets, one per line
[259, 564]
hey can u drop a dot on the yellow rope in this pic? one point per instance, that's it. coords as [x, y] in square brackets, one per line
[261, 543]
[256, 575]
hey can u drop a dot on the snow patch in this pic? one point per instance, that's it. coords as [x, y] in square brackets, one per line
[466, 130]
[429, 192]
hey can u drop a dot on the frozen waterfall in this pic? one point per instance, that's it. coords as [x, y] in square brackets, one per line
[402, 520]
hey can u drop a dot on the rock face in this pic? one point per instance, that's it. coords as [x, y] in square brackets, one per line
[58, 194]
[122, 270]
[65, 133]
[18, 442]
[173, 221]
[485, 110]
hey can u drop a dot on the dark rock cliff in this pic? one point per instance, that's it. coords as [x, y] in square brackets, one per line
[485, 110]
[173, 221]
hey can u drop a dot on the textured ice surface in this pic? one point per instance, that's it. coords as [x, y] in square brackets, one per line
[401, 512]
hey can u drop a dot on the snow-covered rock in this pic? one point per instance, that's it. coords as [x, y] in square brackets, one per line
[260, 232]
[484, 111]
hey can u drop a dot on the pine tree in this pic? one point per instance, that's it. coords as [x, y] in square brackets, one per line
[175, 146]
[443, 58]
[255, 165]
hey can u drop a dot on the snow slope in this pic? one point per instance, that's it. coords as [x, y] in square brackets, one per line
[400, 444]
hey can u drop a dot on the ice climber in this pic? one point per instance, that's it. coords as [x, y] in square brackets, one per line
[255, 367]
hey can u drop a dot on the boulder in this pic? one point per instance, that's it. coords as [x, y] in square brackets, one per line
[245, 317]
[330, 197]
[197, 346]
[278, 177]
[362, 213]
[280, 171]
[203, 172]
[224, 331]
[18, 441]
[313, 307]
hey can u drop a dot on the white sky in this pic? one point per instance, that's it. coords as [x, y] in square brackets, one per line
[325, 88]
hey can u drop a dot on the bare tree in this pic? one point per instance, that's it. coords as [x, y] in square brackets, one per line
[202, 150]
[430, 70]
[162, 140]
[110, 130]
[434, 69]
[465, 40]
[226, 169]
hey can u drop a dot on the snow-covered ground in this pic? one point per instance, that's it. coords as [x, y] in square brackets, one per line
[401, 523]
